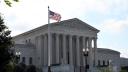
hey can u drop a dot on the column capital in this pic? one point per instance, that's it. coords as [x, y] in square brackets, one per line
[64, 35]
[78, 36]
[84, 36]
[57, 34]
[94, 38]
[70, 35]
[91, 38]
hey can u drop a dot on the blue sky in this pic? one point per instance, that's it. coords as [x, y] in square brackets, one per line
[109, 16]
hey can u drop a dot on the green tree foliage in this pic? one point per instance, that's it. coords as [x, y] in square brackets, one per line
[21, 67]
[123, 71]
[5, 45]
[31, 68]
[9, 2]
[10, 67]
[105, 69]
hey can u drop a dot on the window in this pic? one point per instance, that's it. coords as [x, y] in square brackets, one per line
[30, 60]
[23, 60]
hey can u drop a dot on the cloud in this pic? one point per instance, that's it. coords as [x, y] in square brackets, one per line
[119, 4]
[78, 8]
[33, 13]
[25, 15]
[29, 14]
[124, 52]
[113, 25]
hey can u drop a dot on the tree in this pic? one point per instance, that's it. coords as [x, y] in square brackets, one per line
[21, 67]
[105, 69]
[31, 68]
[5, 46]
[9, 2]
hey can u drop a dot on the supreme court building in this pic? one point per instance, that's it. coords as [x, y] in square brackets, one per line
[68, 38]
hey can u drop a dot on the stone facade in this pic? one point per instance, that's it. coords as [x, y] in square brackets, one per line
[124, 62]
[108, 57]
[61, 43]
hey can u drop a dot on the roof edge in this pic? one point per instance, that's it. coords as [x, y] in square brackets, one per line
[46, 25]
[110, 50]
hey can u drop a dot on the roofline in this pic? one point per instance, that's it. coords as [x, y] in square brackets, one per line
[30, 31]
[46, 25]
[89, 25]
[35, 29]
[124, 58]
[110, 50]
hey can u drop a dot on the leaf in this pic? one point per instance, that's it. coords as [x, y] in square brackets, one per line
[8, 2]
[16, 0]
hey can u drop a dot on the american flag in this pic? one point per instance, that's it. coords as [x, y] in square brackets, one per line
[54, 16]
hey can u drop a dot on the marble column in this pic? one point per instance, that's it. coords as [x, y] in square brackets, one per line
[83, 38]
[78, 50]
[90, 54]
[70, 50]
[51, 47]
[95, 51]
[45, 50]
[57, 48]
[39, 47]
[42, 50]
[38, 50]
[36, 56]
[64, 49]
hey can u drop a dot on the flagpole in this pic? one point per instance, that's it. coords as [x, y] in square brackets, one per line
[49, 43]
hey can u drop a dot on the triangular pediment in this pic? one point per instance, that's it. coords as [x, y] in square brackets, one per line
[70, 23]
[75, 23]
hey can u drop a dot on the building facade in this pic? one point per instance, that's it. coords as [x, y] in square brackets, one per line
[124, 62]
[60, 43]
[107, 57]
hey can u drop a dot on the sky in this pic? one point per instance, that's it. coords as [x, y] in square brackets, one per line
[109, 16]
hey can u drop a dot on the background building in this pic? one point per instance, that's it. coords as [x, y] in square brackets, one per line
[108, 58]
[124, 63]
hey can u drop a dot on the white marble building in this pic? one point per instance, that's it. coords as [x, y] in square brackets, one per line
[67, 40]
[107, 57]
[124, 62]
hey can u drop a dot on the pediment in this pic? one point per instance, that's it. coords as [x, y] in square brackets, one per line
[69, 24]
[74, 23]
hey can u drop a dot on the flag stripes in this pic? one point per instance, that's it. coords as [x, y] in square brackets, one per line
[54, 16]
